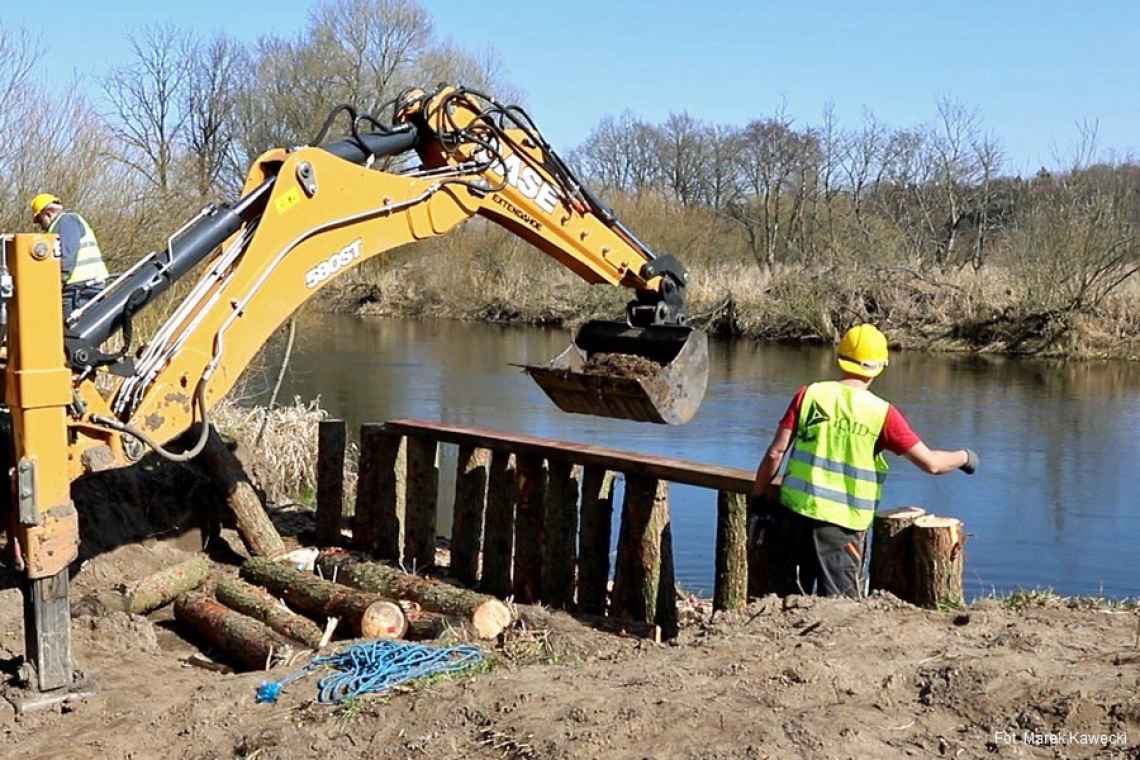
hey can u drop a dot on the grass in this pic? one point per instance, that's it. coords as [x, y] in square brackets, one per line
[1046, 597]
[285, 458]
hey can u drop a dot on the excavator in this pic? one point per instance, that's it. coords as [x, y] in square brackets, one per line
[305, 215]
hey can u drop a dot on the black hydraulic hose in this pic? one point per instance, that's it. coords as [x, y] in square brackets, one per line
[185, 456]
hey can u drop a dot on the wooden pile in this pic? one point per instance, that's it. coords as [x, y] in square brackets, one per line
[919, 558]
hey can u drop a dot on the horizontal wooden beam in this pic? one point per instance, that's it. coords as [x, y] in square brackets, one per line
[730, 479]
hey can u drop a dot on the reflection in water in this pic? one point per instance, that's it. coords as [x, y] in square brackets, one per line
[1048, 507]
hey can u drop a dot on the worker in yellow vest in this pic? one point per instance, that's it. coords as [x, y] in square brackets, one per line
[81, 262]
[837, 432]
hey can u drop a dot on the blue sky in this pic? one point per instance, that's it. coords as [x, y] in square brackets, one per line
[1032, 69]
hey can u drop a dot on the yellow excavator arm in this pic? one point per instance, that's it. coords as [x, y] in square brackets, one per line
[305, 216]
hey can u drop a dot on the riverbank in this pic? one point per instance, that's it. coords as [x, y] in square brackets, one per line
[994, 311]
[798, 677]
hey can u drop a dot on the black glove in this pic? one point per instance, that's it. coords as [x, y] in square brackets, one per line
[971, 462]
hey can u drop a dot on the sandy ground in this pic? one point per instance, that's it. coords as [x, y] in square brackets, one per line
[797, 677]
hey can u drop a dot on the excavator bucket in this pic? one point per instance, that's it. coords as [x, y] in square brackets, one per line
[649, 374]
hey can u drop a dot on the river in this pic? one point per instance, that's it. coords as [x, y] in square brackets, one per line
[1054, 503]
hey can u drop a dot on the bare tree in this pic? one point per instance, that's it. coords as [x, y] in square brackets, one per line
[148, 99]
[19, 54]
[773, 185]
[371, 47]
[211, 95]
[682, 145]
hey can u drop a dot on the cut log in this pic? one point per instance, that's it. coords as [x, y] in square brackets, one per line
[323, 599]
[254, 526]
[530, 479]
[499, 526]
[467, 515]
[643, 578]
[486, 616]
[259, 604]
[594, 540]
[730, 590]
[892, 552]
[330, 480]
[939, 561]
[163, 587]
[378, 520]
[560, 531]
[422, 497]
[424, 625]
[243, 639]
[384, 620]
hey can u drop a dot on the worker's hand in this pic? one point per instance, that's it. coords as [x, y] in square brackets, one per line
[971, 462]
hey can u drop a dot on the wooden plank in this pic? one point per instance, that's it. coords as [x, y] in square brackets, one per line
[422, 497]
[594, 539]
[529, 527]
[560, 533]
[643, 579]
[731, 583]
[647, 465]
[330, 480]
[499, 530]
[381, 493]
[467, 515]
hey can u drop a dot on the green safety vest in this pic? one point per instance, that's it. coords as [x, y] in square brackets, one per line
[834, 474]
[89, 264]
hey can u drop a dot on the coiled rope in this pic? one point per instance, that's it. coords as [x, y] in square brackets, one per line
[375, 666]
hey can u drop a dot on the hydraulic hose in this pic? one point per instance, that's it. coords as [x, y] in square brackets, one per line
[185, 456]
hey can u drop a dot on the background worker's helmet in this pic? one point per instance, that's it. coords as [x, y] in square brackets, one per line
[42, 201]
[863, 351]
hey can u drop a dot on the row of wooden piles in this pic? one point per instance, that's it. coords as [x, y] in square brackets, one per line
[525, 526]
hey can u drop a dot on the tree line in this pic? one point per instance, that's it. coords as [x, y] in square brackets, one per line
[823, 205]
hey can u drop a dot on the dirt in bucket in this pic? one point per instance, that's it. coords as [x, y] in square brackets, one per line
[622, 365]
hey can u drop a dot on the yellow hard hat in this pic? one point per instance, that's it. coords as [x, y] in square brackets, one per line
[863, 351]
[42, 201]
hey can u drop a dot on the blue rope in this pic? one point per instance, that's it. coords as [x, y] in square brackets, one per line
[375, 666]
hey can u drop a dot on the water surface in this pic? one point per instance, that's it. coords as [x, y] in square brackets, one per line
[1053, 504]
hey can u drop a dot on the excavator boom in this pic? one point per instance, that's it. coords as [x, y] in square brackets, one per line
[307, 215]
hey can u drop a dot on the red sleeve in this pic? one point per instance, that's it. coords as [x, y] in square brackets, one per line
[896, 435]
[792, 416]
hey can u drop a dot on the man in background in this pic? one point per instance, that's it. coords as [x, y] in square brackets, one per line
[81, 262]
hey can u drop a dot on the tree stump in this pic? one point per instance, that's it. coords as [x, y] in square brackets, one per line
[487, 616]
[939, 561]
[643, 579]
[499, 526]
[256, 529]
[892, 552]
[324, 599]
[163, 587]
[594, 540]
[731, 585]
[330, 480]
[381, 490]
[560, 532]
[422, 499]
[467, 520]
[259, 604]
[529, 527]
[242, 638]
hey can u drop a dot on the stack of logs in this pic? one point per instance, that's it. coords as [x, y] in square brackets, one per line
[273, 609]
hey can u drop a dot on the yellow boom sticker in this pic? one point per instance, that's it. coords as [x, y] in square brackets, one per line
[288, 200]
